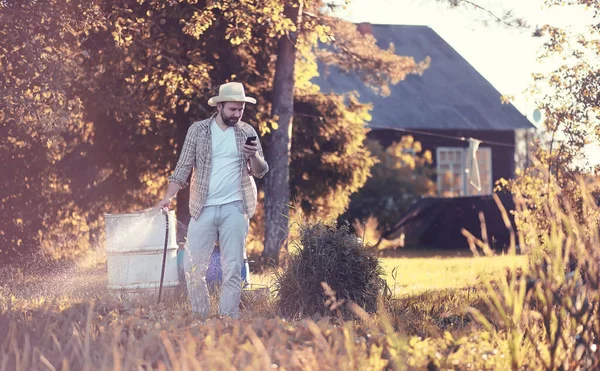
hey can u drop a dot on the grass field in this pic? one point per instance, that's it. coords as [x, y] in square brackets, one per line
[447, 312]
[50, 323]
[413, 276]
[410, 276]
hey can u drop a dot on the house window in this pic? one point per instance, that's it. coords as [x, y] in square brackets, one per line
[450, 171]
[451, 175]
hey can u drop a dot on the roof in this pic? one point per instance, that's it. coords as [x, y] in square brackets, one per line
[450, 94]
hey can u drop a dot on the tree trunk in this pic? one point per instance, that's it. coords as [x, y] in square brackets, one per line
[277, 189]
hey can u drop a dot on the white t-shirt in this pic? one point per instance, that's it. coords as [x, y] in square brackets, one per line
[225, 174]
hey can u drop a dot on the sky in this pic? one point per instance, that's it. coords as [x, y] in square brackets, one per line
[505, 56]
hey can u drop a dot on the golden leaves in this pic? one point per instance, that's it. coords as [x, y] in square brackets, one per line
[199, 22]
[237, 35]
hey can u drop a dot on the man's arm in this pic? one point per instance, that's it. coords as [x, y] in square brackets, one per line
[258, 165]
[256, 158]
[172, 190]
[183, 169]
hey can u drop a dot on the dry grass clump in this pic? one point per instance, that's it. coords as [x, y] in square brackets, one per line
[331, 254]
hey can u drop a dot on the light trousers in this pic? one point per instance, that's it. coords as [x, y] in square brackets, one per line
[228, 224]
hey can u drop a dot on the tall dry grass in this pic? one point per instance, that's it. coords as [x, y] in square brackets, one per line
[121, 336]
[544, 316]
[549, 314]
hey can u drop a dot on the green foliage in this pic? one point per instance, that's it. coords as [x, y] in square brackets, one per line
[42, 123]
[535, 188]
[403, 174]
[552, 310]
[331, 255]
[478, 350]
[569, 103]
[97, 97]
[330, 133]
[568, 94]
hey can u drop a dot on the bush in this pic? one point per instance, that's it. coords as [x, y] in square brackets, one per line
[330, 254]
[537, 188]
[402, 175]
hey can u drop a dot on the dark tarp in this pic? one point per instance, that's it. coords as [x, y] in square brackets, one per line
[437, 222]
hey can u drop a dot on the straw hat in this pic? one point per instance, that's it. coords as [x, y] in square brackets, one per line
[231, 92]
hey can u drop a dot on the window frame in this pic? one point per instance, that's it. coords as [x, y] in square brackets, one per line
[463, 191]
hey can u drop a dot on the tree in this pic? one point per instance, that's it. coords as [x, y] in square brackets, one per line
[492, 12]
[41, 117]
[302, 25]
[352, 51]
[97, 100]
[568, 97]
[92, 90]
[279, 145]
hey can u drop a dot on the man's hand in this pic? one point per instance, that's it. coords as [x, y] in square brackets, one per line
[250, 150]
[164, 204]
[255, 161]
[172, 190]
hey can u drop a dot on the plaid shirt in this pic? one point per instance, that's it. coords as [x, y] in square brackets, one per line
[196, 154]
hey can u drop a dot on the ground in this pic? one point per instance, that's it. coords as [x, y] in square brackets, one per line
[67, 317]
[409, 273]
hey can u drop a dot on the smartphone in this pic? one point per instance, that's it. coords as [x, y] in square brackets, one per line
[251, 140]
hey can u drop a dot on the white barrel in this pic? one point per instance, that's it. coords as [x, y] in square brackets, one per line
[134, 251]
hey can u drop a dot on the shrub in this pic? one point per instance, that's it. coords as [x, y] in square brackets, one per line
[536, 188]
[402, 175]
[330, 254]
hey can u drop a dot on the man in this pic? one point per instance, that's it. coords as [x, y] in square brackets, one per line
[223, 195]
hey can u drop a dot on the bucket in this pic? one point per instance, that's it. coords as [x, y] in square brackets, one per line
[214, 274]
[134, 252]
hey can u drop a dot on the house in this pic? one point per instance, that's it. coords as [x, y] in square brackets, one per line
[450, 103]
[457, 115]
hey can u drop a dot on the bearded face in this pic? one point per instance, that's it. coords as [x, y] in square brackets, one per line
[231, 112]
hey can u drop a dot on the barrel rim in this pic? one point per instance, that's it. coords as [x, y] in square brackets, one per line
[158, 250]
[148, 286]
[136, 213]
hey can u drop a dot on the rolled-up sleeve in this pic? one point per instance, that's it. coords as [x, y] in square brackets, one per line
[260, 152]
[187, 159]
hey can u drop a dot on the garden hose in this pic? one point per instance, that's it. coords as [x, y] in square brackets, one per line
[164, 259]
